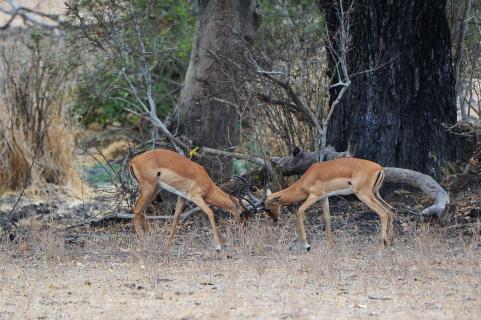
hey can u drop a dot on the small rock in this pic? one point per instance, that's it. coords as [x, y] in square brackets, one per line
[359, 306]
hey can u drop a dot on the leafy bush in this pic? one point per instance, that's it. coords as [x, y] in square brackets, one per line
[165, 28]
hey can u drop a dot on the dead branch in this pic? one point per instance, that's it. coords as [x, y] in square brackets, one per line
[299, 162]
[28, 15]
[340, 58]
[424, 182]
[458, 56]
[300, 107]
[290, 106]
[216, 152]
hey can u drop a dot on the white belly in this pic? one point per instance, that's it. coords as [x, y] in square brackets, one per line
[171, 189]
[342, 192]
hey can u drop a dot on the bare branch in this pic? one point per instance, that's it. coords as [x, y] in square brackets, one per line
[295, 98]
[234, 155]
[28, 15]
[340, 57]
[458, 57]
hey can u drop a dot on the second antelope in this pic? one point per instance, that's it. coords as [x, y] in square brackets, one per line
[164, 169]
[335, 177]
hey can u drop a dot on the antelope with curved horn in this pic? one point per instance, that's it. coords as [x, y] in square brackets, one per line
[341, 176]
[164, 169]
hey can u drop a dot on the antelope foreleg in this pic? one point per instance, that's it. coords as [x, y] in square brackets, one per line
[178, 210]
[311, 199]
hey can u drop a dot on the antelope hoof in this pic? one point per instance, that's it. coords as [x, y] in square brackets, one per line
[307, 246]
[387, 243]
[218, 248]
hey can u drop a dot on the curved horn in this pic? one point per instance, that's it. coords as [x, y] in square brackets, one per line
[241, 178]
[241, 191]
[255, 204]
[243, 188]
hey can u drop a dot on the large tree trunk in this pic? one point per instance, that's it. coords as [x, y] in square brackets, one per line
[207, 108]
[402, 89]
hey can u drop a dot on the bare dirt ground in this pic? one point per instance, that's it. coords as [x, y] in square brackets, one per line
[51, 273]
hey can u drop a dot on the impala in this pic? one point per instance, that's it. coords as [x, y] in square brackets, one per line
[164, 169]
[335, 177]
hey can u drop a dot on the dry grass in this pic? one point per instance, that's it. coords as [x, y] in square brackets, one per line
[34, 124]
[261, 273]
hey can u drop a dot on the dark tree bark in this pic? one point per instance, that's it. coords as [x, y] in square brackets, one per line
[402, 89]
[207, 109]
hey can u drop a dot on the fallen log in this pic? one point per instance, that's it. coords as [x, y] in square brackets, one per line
[424, 182]
[300, 161]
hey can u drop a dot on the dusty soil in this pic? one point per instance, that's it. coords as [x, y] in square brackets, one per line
[50, 273]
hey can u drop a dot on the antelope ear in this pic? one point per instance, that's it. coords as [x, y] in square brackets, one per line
[268, 192]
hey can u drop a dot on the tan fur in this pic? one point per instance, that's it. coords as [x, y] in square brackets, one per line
[160, 168]
[335, 177]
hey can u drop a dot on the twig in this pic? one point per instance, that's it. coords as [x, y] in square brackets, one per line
[24, 13]
[461, 225]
